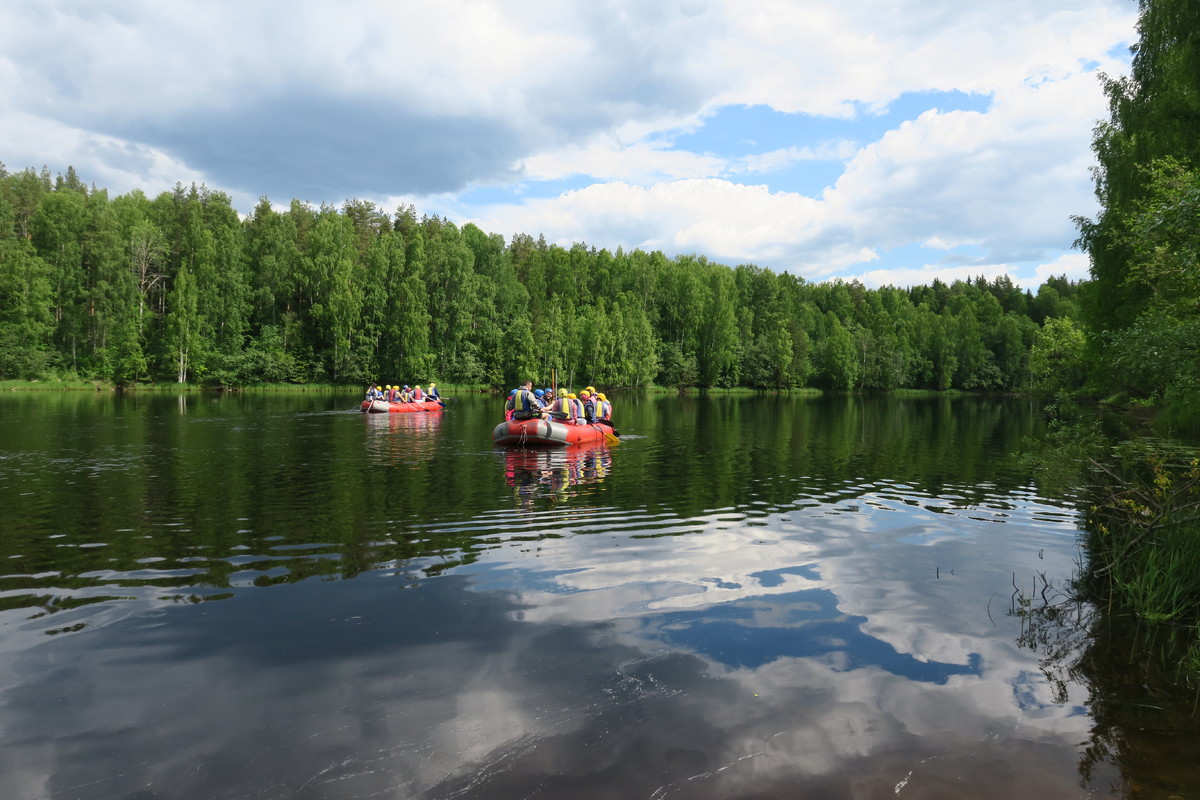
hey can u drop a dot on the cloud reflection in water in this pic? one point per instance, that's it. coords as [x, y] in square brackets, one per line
[805, 652]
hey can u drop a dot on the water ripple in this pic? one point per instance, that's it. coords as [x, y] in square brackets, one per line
[245, 560]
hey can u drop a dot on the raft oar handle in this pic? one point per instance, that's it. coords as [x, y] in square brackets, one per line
[609, 424]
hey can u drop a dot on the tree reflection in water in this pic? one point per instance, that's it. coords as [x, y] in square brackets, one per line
[1145, 723]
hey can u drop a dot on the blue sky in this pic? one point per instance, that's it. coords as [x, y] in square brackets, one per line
[891, 141]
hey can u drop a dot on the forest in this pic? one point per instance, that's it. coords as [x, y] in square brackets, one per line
[181, 288]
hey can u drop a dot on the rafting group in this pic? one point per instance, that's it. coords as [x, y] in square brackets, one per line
[399, 399]
[540, 417]
[589, 406]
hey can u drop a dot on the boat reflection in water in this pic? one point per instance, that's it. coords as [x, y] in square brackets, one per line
[556, 474]
[402, 436]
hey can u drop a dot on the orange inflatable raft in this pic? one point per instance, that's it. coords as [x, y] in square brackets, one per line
[547, 433]
[384, 407]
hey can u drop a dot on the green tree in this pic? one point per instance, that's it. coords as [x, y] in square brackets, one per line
[273, 260]
[718, 347]
[836, 356]
[183, 324]
[56, 229]
[336, 309]
[1056, 361]
[1154, 113]
[1159, 353]
[26, 322]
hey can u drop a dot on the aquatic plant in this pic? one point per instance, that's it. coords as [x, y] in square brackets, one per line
[1143, 538]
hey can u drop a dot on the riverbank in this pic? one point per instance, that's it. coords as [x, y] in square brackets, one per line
[189, 388]
[1139, 496]
[70, 385]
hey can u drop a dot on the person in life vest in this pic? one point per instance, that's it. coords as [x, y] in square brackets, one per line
[405, 394]
[432, 393]
[576, 409]
[589, 406]
[525, 404]
[509, 407]
[418, 394]
[560, 409]
[603, 407]
[597, 404]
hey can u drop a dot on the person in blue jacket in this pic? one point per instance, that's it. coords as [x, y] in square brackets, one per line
[524, 403]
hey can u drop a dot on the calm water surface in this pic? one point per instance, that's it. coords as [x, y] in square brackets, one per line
[279, 597]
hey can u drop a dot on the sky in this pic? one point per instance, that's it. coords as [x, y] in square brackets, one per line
[888, 141]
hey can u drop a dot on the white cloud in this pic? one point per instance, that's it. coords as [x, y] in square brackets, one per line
[609, 159]
[1005, 182]
[905, 277]
[372, 99]
[783, 158]
[823, 59]
[725, 219]
[1074, 265]
[111, 162]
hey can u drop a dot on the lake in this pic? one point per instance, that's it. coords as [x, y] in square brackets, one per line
[262, 596]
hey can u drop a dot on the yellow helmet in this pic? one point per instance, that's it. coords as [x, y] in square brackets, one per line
[591, 389]
[572, 396]
[601, 395]
[562, 392]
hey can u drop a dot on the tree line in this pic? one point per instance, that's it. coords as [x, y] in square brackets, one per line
[181, 288]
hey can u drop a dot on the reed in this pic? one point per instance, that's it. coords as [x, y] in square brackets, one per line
[1143, 545]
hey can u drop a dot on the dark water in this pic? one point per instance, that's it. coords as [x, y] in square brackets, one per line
[277, 597]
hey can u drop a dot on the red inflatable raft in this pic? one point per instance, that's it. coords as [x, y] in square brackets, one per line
[384, 407]
[547, 433]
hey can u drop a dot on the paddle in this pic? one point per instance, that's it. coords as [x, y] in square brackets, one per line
[609, 438]
[609, 424]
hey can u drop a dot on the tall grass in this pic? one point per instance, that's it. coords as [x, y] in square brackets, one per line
[54, 385]
[1143, 545]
